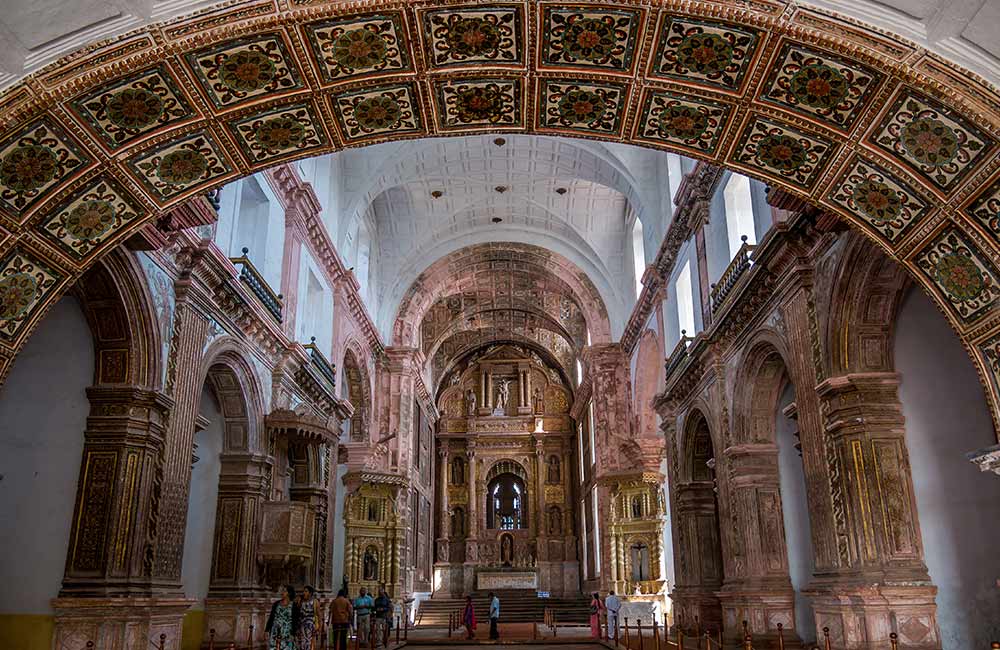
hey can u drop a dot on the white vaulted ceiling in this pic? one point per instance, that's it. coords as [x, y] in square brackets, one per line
[34, 33]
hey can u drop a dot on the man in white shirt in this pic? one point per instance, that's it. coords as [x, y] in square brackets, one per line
[494, 616]
[613, 605]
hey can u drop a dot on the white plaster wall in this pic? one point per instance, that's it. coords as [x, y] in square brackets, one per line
[959, 507]
[199, 535]
[795, 509]
[337, 552]
[43, 413]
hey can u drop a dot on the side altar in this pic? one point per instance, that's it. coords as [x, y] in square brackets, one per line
[505, 495]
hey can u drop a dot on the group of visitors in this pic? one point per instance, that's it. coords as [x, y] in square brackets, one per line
[294, 620]
[469, 617]
[610, 606]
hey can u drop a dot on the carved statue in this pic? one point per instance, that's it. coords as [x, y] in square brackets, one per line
[370, 565]
[636, 507]
[555, 521]
[506, 550]
[554, 474]
[503, 394]
[470, 402]
[457, 522]
[538, 400]
[458, 471]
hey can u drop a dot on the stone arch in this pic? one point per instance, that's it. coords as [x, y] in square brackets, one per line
[695, 427]
[115, 297]
[506, 466]
[762, 377]
[941, 218]
[237, 389]
[357, 390]
[648, 369]
[867, 288]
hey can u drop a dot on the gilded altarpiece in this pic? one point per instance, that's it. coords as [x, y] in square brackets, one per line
[374, 534]
[637, 518]
[505, 421]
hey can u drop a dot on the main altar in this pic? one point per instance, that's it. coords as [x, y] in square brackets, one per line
[505, 444]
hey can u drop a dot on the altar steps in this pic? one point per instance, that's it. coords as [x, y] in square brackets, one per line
[516, 606]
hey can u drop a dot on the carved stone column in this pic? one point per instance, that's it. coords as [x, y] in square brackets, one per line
[110, 563]
[443, 538]
[880, 584]
[524, 394]
[760, 592]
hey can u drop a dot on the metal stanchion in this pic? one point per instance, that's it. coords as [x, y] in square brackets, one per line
[894, 640]
[406, 626]
[697, 627]
[656, 634]
[781, 637]
[708, 640]
[451, 623]
[626, 632]
[397, 630]
[680, 638]
[826, 638]
[211, 639]
[163, 640]
[249, 638]
[638, 631]
[616, 630]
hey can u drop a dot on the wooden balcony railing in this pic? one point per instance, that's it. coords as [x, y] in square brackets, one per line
[251, 277]
[678, 353]
[737, 267]
[319, 360]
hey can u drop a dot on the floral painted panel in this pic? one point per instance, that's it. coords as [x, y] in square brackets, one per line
[92, 216]
[961, 273]
[672, 119]
[888, 205]
[479, 102]
[375, 111]
[591, 37]
[359, 45]
[33, 162]
[939, 144]
[123, 111]
[985, 209]
[181, 165]
[475, 36]
[821, 85]
[240, 71]
[711, 53]
[783, 153]
[25, 281]
[279, 132]
[582, 107]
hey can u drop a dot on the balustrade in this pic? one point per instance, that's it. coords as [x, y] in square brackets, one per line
[678, 353]
[325, 368]
[737, 267]
[251, 277]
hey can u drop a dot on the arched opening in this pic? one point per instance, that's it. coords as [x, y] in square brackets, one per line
[959, 507]
[507, 503]
[354, 386]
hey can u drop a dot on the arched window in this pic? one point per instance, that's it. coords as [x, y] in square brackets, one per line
[739, 212]
[685, 300]
[506, 506]
[638, 255]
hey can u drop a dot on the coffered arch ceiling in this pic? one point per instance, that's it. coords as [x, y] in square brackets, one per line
[466, 347]
[902, 143]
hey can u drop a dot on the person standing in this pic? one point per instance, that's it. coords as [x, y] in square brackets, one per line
[283, 621]
[596, 607]
[307, 618]
[340, 619]
[469, 618]
[363, 605]
[383, 616]
[494, 615]
[613, 605]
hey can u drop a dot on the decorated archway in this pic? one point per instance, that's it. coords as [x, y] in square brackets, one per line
[899, 143]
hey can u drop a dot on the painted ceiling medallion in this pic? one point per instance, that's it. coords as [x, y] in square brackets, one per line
[17, 292]
[828, 87]
[985, 209]
[33, 161]
[378, 110]
[965, 277]
[277, 132]
[24, 283]
[356, 45]
[134, 108]
[91, 217]
[941, 145]
[706, 52]
[237, 71]
[480, 102]
[682, 120]
[280, 133]
[783, 153]
[580, 36]
[583, 107]
[182, 167]
[888, 205]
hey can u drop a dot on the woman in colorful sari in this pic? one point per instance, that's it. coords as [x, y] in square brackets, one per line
[596, 607]
[283, 623]
[307, 619]
[469, 619]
